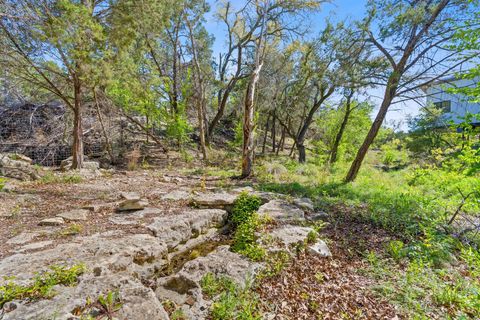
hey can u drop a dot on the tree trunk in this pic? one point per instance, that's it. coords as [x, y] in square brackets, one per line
[265, 135]
[77, 147]
[201, 124]
[274, 133]
[338, 137]
[248, 124]
[372, 133]
[302, 157]
[281, 145]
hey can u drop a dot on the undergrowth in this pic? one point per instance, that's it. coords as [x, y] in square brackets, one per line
[231, 301]
[41, 285]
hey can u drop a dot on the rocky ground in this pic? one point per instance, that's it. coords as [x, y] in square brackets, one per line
[135, 233]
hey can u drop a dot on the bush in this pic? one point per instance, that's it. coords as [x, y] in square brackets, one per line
[244, 207]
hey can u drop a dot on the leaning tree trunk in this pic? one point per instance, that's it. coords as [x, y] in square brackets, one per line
[372, 133]
[77, 147]
[338, 137]
[248, 124]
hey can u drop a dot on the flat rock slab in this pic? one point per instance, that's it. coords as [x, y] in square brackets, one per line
[320, 249]
[130, 196]
[177, 195]
[281, 210]
[36, 245]
[74, 215]
[290, 235]
[214, 200]
[174, 230]
[57, 221]
[23, 237]
[132, 205]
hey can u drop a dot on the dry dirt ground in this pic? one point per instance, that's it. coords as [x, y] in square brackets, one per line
[310, 288]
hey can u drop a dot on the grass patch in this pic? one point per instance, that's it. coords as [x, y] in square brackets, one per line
[42, 284]
[51, 178]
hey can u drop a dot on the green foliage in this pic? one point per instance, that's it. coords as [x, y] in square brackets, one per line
[312, 237]
[230, 300]
[110, 303]
[41, 285]
[244, 239]
[396, 249]
[244, 207]
[2, 183]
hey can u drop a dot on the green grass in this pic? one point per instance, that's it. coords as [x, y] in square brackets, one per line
[41, 286]
[50, 178]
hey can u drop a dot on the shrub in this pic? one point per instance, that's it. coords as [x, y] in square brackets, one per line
[244, 207]
[2, 183]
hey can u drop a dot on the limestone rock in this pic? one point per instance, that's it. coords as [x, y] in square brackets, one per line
[281, 210]
[35, 245]
[74, 215]
[176, 195]
[290, 235]
[132, 205]
[178, 229]
[57, 221]
[316, 216]
[18, 167]
[23, 237]
[130, 196]
[214, 200]
[87, 165]
[320, 248]
[305, 204]
[184, 287]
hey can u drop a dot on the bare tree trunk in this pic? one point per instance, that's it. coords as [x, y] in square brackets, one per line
[281, 146]
[248, 125]
[265, 134]
[338, 137]
[274, 133]
[77, 147]
[372, 133]
[302, 157]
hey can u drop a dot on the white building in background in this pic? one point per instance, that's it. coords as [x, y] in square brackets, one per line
[455, 106]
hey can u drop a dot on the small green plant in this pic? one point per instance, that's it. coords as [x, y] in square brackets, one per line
[230, 300]
[42, 284]
[396, 249]
[110, 304]
[71, 230]
[2, 183]
[244, 207]
[50, 178]
[312, 237]
[245, 240]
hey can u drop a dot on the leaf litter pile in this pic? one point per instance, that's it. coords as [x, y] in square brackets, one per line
[312, 287]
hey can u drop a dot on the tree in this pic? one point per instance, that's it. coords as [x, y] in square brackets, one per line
[56, 46]
[414, 37]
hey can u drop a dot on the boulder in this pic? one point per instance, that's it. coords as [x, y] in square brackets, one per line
[289, 235]
[281, 211]
[23, 237]
[87, 165]
[74, 215]
[18, 167]
[305, 204]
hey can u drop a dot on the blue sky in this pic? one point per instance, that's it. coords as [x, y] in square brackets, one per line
[336, 10]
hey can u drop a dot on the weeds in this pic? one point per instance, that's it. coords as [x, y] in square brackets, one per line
[231, 301]
[42, 284]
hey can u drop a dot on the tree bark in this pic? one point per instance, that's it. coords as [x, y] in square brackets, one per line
[372, 133]
[338, 137]
[265, 135]
[274, 133]
[248, 125]
[301, 152]
[77, 147]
